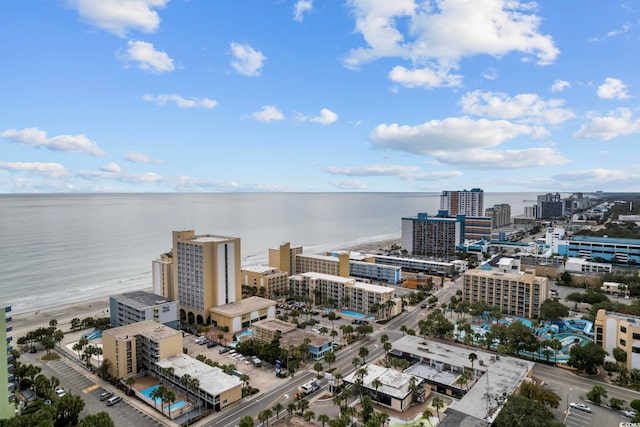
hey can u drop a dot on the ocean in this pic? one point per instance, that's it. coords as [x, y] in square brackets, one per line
[64, 248]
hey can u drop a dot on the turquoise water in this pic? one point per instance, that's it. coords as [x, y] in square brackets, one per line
[353, 314]
[147, 392]
[93, 335]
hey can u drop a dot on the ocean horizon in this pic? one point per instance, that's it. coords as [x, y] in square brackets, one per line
[66, 248]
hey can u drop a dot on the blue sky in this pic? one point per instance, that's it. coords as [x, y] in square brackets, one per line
[310, 95]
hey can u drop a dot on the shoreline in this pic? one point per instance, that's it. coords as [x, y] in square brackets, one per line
[26, 321]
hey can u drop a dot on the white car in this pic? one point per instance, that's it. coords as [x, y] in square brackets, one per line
[60, 392]
[629, 414]
[580, 406]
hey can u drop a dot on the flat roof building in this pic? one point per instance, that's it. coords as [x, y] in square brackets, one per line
[133, 307]
[264, 281]
[615, 250]
[516, 293]
[241, 314]
[441, 364]
[291, 336]
[392, 388]
[619, 330]
[438, 235]
[463, 202]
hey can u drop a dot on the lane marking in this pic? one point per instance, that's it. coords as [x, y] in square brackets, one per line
[90, 388]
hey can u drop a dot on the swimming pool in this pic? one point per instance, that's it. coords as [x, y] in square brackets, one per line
[147, 393]
[353, 314]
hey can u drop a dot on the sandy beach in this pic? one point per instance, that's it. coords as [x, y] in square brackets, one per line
[99, 307]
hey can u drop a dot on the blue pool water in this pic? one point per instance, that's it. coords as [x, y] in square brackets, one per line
[353, 314]
[93, 335]
[147, 392]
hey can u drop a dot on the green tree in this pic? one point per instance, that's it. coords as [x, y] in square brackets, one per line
[615, 403]
[277, 408]
[596, 394]
[323, 419]
[522, 412]
[620, 355]
[246, 421]
[363, 352]
[438, 404]
[586, 358]
[553, 309]
[264, 416]
[101, 419]
[540, 394]
[472, 357]
[68, 409]
[330, 357]
[318, 367]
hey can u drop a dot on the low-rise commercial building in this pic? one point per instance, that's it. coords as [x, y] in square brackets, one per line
[392, 388]
[436, 268]
[133, 307]
[241, 314]
[615, 250]
[581, 265]
[441, 366]
[291, 336]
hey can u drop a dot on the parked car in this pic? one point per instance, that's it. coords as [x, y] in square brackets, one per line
[60, 392]
[211, 344]
[106, 395]
[423, 305]
[223, 350]
[629, 414]
[580, 406]
[113, 400]
[356, 322]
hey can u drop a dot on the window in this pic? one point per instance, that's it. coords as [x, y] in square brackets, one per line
[623, 343]
[623, 329]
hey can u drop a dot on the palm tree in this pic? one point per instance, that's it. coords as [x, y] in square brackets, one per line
[428, 414]
[264, 416]
[130, 382]
[473, 357]
[303, 405]
[277, 408]
[246, 421]
[291, 408]
[154, 395]
[323, 418]
[222, 340]
[170, 397]
[438, 404]
[363, 352]
[376, 383]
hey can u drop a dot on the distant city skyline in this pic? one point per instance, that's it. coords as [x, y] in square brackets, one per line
[303, 95]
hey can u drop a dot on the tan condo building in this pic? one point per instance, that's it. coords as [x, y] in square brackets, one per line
[294, 261]
[619, 330]
[516, 293]
[201, 272]
[263, 281]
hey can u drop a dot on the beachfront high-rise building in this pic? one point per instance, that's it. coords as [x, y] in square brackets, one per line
[201, 272]
[7, 410]
[464, 202]
[437, 236]
[499, 214]
[293, 261]
[264, 281]
[518, 293]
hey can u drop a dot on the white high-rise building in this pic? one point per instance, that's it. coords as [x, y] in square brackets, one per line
[464, 202]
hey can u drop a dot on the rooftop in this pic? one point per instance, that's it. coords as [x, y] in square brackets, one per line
[374, 288]
[204, 238]
[497, 375]
[297, 337]
[329, 277]
[321, 257]
[260, 269]
[149, 328]
[274, 325]
[611, 240]
[140, 299]
[212, 379]
[243, 306]
[394, 383]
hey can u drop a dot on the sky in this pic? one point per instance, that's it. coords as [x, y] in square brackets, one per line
[319, 95]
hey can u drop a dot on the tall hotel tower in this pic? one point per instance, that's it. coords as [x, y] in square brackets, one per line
[205, 273]
[465, 202]
[7, 410]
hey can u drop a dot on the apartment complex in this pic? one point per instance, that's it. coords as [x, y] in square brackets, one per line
[343, 291]
[437, 268]
[619, 330]
[615, 250]
[133, 348]
[436, 236]
[477, 228]
[516, 293]
[133, 307]
[500, 215]
[7, 409]
[294, 261]
[265, 281]
[201, 271]
[464, 202]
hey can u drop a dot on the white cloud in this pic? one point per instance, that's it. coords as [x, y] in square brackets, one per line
[247, 61]
[111, 168]
[326, 117]
[453, 134]
[300, 8]
[138, 157]
[66, 143]
[490, 74]
[181, 102]
[613, 33]
[612, 89]
[120, 16]
[560, 85]
[268, 113]
[424, 77]
[618, 122]
[147, 57]
[436, 36]
[50, 170]
[352, 184]
[478, 158]
[526, 107]
[411, 173]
